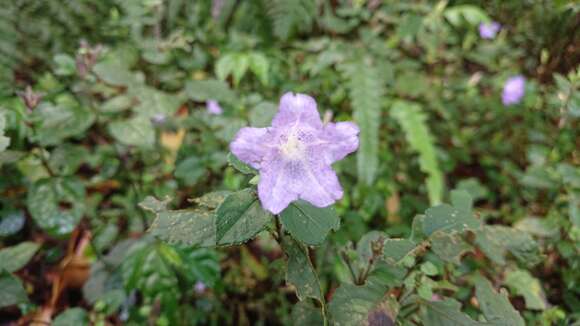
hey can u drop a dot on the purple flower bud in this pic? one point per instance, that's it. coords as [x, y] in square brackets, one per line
[489, 30]
[295, 154]
[158, 119]
[213, 107]
[199, 287]
[31, 99]
[513, 90]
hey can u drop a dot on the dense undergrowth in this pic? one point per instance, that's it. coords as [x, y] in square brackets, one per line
[106, 121]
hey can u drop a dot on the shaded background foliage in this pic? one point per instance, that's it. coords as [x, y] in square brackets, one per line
[123, 86]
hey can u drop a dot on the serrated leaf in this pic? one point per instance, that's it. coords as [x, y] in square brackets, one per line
[240, 217]
[496, 307]
[72, 317]
[352, 304]
[12, 291]
[521, 282]
[413, 122]
[57, 204]
[366, 90]
[448, 219]
[211, 89]
[497, 240]
[260, 66]
[290, 16]
[136, 131]
[300, 271]
[445, 313]
[396, 249]
[15, 257]
[188, 226]
[309, 224]
[240, 166]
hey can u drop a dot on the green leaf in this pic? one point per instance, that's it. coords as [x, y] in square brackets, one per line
[11, 223]
[304, 313]
[57, 204]
[211, 89]
[300, 271]
[188, 226]
[63, 119]
[12, 291]
[65, 65]
[240, 166]
[448, 219]
[366, 90]
[153, 102]
[521, 282]
[137, 131]
[116, 104]
[309, 224]
[190, 170]
[445, 313]
[15, 257]
[260, 66]
[352, 304]
[396, 249]
[240, 217]
[4, 141]
[212, 200]
[290, 16]
[242, 62]
[496, 240]
[154, 205]
[413, 121]
[449, 247]
[496, 307]
[72, 317]
[262, 114]
[114, 73]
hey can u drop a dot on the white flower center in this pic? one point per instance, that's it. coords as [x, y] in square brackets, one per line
[293, 148]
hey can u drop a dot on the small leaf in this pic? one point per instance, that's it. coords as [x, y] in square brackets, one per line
[309, 224]
[521, 282]
[445, 313]
[240, 217]
[136, 131]
[240, 166]
[352, 304]
[114, 73]
[57, 204]
[496, 240]
[11, 223]
[396, 249]
[300, 271]
[496, 306]
[15, 257]
[12, 291]
[154, 205]
[191, 227]
[72, 317]
[449, 247]
[260, 66]
[211, 89]
[448, 219]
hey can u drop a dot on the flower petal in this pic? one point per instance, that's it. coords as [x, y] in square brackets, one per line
[320, 185]
[250, 145]
[279, 184]
[297, 109]
[340, 140]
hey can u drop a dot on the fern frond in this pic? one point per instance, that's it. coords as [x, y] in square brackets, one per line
[412, 120]
[290, 16]
[366, 90]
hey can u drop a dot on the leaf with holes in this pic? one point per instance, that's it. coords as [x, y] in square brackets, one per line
[496, 307]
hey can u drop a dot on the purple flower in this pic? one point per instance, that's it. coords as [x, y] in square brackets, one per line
[199, 287]
[216, 8]
[294, 156]
[213, 107]
[489, 30]
[513, 90]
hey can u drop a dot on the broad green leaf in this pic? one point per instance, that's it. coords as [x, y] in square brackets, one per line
[57, 204]
[153, 102]
[65, 65]
[472, 14]
[300, 271]
[154, 205]
[15, 257]
[496, 307]
[447, 219]
[242, 63]
[11, 222]
[72, 317]
[190, 170]
[188, 226]
[304, 313]
[449, 247]
[521, 282]
[12, 291]
[4, 141]
[240, 166]
[445, 313]
[117, 104]
[352, 304]
[497, 240]
[212, 200]
[366, 90]
[262, 114]
[225, 65]
[62, 119]
[260, 66]
[211, 89]
[413, 121]
[396, 249]
[114, 73]
[136, 131]
[309, 224]
[240, 217]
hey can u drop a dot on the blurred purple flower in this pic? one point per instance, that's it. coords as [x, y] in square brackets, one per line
[199, 287]
[213, 107]
[489, 30]
[216, 8]
[158, 119]
[513, 90]
[295, 154]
